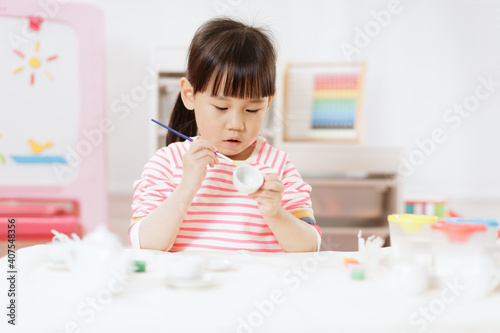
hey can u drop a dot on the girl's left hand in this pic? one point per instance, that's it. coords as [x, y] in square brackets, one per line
[269, 195]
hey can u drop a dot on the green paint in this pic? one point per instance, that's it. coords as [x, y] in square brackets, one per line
[358, 274]
[140, 266]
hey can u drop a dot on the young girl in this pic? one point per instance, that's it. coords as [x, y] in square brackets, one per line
[185, 198]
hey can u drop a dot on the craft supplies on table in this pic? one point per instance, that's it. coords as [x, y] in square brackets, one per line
[411, 239]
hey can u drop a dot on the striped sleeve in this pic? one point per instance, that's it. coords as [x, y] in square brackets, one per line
[154, 186]
[297, 196]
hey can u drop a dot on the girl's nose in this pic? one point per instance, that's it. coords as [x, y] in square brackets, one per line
[235, 121]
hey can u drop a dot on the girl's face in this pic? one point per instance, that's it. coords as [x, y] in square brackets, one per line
[231, 124]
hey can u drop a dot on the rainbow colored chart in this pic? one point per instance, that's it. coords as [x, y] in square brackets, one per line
[335, 99]
[323, 101]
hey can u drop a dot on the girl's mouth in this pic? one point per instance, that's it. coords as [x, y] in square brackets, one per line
[232, 143]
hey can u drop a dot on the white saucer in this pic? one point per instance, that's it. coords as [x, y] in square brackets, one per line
[205, 281]
[218, 265]
[57, 266]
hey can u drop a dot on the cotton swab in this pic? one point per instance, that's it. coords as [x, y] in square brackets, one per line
[189, 139]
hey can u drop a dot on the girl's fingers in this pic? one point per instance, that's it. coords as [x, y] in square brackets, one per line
[272, 183]
[210, 157]
[275, 186]
[271, 189]
[271, 176]
[200, 144]
[209, 160]
[264, 200]
[265, 194]
[201, 148]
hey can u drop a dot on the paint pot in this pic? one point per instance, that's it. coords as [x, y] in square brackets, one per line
[456, 247]
[491, 231]
[411, 239]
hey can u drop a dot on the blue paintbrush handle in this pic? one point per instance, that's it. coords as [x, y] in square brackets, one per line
[171, 129]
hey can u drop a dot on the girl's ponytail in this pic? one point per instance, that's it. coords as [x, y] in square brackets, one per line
[182, 120]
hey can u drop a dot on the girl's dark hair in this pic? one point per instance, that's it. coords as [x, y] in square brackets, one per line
[228, 52]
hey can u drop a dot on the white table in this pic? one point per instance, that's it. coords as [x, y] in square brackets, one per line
[305, 292]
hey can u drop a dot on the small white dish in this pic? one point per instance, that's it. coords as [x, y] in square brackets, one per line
[186, 267]
[219, 265]
[205, 280]
[247, 179]
[60, 266]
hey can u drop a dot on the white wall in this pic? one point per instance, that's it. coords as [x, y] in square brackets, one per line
[429, 57]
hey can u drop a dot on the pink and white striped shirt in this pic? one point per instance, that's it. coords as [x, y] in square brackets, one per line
[220, 218]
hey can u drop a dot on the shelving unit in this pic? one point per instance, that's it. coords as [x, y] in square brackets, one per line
[170, 68]
[167, 95]
[343, 206]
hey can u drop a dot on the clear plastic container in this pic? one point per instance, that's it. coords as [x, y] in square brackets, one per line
[491, 231]
[456, 246]
[411, 239]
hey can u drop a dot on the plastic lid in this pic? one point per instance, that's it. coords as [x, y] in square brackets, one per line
[487, 222]
[458, 232]
[412, 223]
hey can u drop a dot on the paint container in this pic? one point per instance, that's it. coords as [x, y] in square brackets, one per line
[491, 231]
[459, 253]
[426, 205]
[411, 239]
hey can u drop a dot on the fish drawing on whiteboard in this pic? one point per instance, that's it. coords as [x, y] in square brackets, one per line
[37, 157]
[37, 148]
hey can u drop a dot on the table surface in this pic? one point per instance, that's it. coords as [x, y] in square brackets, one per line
[285, 292]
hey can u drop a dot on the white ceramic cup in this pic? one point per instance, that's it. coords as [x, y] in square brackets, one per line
[247, 179]
[186, 267]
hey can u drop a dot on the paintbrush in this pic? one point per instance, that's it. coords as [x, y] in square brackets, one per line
[188, 138]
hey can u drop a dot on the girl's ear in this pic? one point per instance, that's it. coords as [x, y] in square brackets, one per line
[187, 94]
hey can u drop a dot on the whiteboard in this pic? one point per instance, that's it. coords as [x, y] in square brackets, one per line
[39, 101]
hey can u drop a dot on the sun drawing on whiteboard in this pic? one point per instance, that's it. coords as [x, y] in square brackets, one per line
[35, 63]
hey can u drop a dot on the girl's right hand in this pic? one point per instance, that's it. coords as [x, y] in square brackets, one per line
[200, 154]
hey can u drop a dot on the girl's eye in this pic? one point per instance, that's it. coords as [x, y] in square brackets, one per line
[220, 109]
[252, 111]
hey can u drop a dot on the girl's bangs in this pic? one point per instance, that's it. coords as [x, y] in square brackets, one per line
[246, 82]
